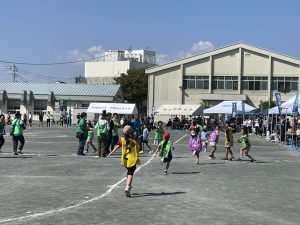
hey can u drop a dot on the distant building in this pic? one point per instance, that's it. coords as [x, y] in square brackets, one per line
[235, 72]
[54, 97]
[117, 62]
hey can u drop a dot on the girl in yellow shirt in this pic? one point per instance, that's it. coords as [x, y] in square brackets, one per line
[130, 155]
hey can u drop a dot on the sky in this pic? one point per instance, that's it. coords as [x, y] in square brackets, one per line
[59, 31]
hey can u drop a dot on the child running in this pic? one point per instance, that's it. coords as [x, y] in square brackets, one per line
[204, 138]
[89, 141]
[158, 133]
[213, 140]
[228, 142]
[195, 145]
[130, 155]
[245, 145]
[165, 151]
[145, 137]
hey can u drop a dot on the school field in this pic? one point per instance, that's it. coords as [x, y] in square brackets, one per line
[49, 184]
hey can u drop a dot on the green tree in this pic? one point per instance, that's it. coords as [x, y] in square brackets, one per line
[134, 84]
[267, 104]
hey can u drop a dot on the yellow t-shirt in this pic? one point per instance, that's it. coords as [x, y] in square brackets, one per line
[130, 152]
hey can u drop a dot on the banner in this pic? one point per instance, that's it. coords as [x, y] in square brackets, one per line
[234, 109]
[295, 105]
[278, 101]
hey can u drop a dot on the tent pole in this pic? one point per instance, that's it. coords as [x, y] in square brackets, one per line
[286, 127]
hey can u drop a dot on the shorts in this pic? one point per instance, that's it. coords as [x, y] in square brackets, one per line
[246, 148]
[165, 160]
[89, 139]
[229, 145]
[156, 142]
[131, 170]
[212, 144]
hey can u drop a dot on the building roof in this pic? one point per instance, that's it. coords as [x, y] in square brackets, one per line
[61, 89]
[221, 50]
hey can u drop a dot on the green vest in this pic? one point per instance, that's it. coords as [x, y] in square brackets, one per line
[1, 127]
[18, 129]
[165, 152]
[115, 129]
[102, 129]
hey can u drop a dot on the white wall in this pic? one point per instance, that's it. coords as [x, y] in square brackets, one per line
[105, 69]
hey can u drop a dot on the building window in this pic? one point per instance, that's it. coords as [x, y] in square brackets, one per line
[225, 82]
[40, 106]
[13, 105]
[255, 83]
[284, 84]
[195, 82]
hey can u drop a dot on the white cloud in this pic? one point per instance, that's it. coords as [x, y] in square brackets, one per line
[78, 55]
[163, 59]
[197, 47]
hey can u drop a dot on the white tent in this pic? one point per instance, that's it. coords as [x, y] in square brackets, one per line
[120, 108]
[225, 107]
[286, 107]
[181, 110]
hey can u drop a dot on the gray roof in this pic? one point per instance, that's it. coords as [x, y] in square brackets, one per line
[61, 89]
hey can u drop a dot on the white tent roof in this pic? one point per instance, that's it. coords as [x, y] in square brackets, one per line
[120, 108]
[183, 110]
[225, 107]
[286, 107]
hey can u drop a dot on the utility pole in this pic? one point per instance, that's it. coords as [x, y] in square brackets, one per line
[14, 69]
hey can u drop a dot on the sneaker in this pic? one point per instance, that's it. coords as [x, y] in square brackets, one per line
[80, 154]
[197, 162]
[240, 159]
[232, 158]
[141, 152]
[165, 172]
[20, 152]
[150, 152]
[211, 157]
[127, 191]
[15, 153]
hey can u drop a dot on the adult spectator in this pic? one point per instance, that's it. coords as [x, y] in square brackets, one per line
[102, 129]
[109, 133]
[17, 127]
[48, 119]
[115, 130]
[41, 118]
[82, 133]
[2, 126]
[30, 119]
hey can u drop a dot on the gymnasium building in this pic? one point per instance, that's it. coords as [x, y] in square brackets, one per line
[235, 72]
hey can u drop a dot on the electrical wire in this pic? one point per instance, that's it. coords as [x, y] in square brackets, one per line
[50, 64]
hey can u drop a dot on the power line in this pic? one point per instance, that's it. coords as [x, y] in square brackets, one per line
[50, 64]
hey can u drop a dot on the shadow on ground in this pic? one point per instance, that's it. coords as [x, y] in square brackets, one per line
[188, 172]
[138, 195]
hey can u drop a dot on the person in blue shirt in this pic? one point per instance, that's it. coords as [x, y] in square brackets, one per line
[145, 138]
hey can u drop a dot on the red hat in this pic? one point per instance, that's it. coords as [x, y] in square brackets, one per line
[166, 135]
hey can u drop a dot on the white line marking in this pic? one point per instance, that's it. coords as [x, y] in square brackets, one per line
[83, 202]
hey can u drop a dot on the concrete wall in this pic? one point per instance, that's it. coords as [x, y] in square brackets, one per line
[226, 63]
[198, 67]
[111, 69]
[255, 64]
[285, 68]
[105, 69]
